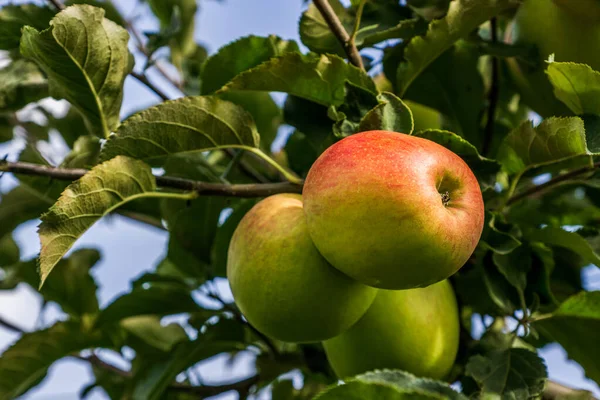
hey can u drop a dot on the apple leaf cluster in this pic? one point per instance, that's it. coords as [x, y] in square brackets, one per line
[511, 87]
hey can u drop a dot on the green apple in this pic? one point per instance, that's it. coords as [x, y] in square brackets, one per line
[393, 211]
[414, 330]
[584, 9]
[552, 30]
[281, 283]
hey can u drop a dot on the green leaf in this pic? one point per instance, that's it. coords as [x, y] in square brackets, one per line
[6, 128]
[515, 266]
[156, 300]
[88, 72]
[148, 329]
[405, 29]
[21, 83]
[154, 378]
[391, 114]
[315, 32]
[559, 237]
[242, 55]
[576, 85]
[553, 140]
[18, 206]
[26, 362]
[575, 325]
[86, 150]
[111, 12]
[455, 78]
[318, 78]
[189, 124]
[71, 126]
[392, 385]
[495, 239]
[9, 251]
[512, 373]
[462, 18]
[14, 17]
[96, 194]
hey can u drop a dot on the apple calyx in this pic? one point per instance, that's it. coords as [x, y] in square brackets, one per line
[445, 198]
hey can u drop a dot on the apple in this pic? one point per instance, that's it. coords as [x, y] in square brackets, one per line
[393, 211]
[552, 30]
[584, 9]
[414, 330]
[281, 283]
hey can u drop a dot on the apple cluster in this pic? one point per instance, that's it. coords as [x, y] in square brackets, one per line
[360, 261]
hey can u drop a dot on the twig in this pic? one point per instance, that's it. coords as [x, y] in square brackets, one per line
[57, 4]
[202, 188]
[143, 218]
[10, 326]
[552, 182]
[339, 31]
[144, 79]
[493, 96]
[555, 390]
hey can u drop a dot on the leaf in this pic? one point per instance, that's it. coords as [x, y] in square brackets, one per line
[6, 129]
[576, 85]
[512, 373]
[154, 378]
[86, 150]
[9, 251]
[390, 115]
[405, 29]
[71, 126]
[462, 18]
[85, 201]
[111, 12]
[495, 239]
[553, 140]
[515, 266]
[21, 83]
[389, 385]
[156, 300]
[25, 363]
[14, 17]
[559, 237]
[318, 78]
[86, 59]
[575, 325]
[315, 32]
[455, 78]
[148, 329]
[18, 206]
[241, 55]
[189, 124]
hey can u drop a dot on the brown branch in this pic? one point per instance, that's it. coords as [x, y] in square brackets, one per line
[555, 390]
[144, 79]
[57, 4]
[202, 188]
[339, 31]
[143, 218]
[552, 182]
[493, 96]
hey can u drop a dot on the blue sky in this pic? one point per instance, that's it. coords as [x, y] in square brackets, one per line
[128, 248]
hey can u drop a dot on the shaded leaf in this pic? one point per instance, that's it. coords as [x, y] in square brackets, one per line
[495, 239]
[390, 115]
[86, 59]
[111, 12]
[156, 300]
[576, 85]
[512, 373]
[14, 17]
[462, 18]
[239, 56]
[86, 150]
[9, 251]
[99, 192]
[553, 140]
[21, 83]
[571, 240]
[318, 78]
[18, 206]
[575, 325]
[148, 329]
[190, 124]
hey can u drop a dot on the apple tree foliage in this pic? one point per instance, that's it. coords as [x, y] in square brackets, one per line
[214, 143]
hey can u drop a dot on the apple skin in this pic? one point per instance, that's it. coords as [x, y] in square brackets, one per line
[414, 330]
[281, 283]
[588, 10]
[374, 209]
[553, 31]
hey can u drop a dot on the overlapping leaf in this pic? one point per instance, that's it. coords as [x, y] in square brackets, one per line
[21, 83]
[390, 115]
[20, 205]
[14, 17]
[100, 191]
[190, 124]
[318, 78]
[462, 18]
[575, 325]
[86, 59]
[576, 85]
[571, 240]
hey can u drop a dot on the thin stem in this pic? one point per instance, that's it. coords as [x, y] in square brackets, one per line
[357, 20]
[552, 182]
[200, 188]
[57, 4]
[512, 189]
[494, 94]
[143, 218]
[290, 176]
[339, 31]
[144, 79]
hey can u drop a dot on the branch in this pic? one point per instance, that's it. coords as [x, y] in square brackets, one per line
[555, 390]
[552, 182]
[57, 4]
[339, 31]
[144, 79]
[202, 188]
[493, 96]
